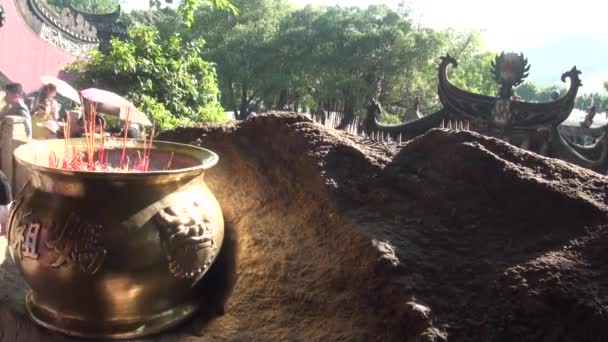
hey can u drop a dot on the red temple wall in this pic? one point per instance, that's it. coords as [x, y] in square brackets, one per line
[24, 56]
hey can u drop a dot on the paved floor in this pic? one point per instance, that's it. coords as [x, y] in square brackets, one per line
[12, 286]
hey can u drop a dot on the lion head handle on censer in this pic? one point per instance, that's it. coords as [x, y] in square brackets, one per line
[187, 235]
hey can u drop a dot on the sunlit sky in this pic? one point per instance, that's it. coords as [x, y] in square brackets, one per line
[509, 25]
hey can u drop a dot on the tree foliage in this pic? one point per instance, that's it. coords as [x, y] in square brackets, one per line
[167, 78]
[89, 6]
[473, 71]
[584, 101]
[270, 55]
[187, 8]
[530, 91]
[244, 49]
[336, 58]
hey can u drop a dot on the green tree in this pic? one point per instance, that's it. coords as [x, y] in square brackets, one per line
[168, 79]
[341, 57]
[418, 80]
[528, 91]
[187, 8]
[335, 58]
[584, 101]
[473, 71]
[531, 92]
[473, 74]
[243, 48]
[89, 6]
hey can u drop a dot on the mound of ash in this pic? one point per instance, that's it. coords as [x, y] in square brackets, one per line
[454, 236]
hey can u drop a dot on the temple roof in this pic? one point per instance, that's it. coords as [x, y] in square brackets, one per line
[108, 22]
[502, 110]
[69, 29]
[70, 24]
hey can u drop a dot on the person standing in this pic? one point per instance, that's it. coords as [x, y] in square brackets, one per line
[133, 130]
[46, 114]
[6, 198]
[16, 106]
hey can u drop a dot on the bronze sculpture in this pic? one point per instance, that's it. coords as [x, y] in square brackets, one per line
[115, 254]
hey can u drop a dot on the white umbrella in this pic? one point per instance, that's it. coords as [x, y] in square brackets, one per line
[63, 88]
[112, 103]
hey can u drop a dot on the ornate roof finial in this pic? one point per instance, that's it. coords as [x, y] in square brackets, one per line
[509, 70]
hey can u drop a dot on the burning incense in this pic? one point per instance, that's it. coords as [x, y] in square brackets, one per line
[170, 161]
[124, 146]
[102, 146]
[147, 158]
[99, 160]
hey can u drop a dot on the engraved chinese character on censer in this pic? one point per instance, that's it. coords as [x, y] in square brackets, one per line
[78, 243]
[28, 233]
[29, 241]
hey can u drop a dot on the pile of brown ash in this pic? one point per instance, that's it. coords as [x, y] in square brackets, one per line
[454, 236]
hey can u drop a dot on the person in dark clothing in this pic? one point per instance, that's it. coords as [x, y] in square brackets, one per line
[6, 197]
[133, 132]
[79, 131]
[16, 106]
[45, 114]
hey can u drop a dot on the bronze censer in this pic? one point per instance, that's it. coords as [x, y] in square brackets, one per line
[114, 254]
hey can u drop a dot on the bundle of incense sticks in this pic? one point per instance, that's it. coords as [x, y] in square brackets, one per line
[75, 161]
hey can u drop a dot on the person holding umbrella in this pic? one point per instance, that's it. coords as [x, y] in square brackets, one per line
[46, 102]
[52, 87]
[114, 104]
[46, 114]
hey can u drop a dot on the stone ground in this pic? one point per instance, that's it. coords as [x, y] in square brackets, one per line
[453, 237]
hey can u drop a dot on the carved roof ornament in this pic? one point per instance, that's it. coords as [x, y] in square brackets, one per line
[55, 38]
[2, 16]
[529, 125]
[509, 71]
[108, 25]
[502, 110]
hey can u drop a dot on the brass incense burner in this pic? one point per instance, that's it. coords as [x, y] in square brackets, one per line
[114, 254]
